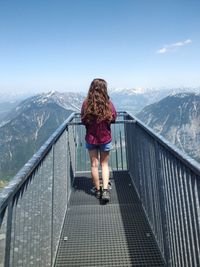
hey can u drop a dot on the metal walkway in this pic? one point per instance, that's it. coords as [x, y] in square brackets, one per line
[116, 234]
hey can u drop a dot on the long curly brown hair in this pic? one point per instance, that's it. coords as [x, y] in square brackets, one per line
[97, 102]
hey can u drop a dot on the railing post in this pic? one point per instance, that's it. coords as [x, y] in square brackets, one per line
[122, 159]
[52, 201]
[8, 234]
[163, 211]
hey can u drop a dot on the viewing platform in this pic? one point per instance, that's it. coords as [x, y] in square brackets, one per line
[49, 215]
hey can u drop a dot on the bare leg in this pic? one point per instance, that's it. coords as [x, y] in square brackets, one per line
[94, 167]
[104, 157]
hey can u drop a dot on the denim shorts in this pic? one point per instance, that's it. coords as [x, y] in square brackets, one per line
[102, 147]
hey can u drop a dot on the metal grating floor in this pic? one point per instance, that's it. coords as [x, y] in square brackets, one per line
[116, 234]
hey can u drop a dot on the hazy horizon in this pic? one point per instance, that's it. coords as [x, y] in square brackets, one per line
[20, 95]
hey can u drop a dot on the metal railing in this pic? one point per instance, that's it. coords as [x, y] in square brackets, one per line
[168, 184]
[33, 206]
[118, 153]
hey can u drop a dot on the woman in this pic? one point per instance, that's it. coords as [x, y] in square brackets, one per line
[97, 113]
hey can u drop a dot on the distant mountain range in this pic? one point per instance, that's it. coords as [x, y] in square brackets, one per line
[25, 126]
[135, 99]
[132, 100]
[177, 118]
[29, 125]
[6, 107]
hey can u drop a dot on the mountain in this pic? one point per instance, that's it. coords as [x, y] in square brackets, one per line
[5, 108]
[135, 99]
[32, 121]
[177, 118]
[29, 125]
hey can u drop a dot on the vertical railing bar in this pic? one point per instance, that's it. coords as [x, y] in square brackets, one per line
[80, 145]
[35, 222]
[187, 189]
[171, 217]
[85, 151]
[120, 136]
[194, 226]
[143, 153]
[177, 179]
[74, 138]
[170, 205]
[143, 174]
[14, 227]
[116, 156]
[41, 211]
[78, 141]
[73, 154]
[124, 149]
[33, 194]
[174, 211]
[141, 171]
[158, 201]
[155, 195]
[42, 206]
[136, 158]
[182, 203]
[165, 214]
[151, 191]
[52, 200]
[8, 232]
[182, 206]
[185, 221]
[147, 169]
[66, 160]
[190, 232]
[139, 181]
[126, 138]
[151, 185]
[197, 211]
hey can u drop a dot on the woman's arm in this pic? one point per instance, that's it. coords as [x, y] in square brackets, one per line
[114, 113]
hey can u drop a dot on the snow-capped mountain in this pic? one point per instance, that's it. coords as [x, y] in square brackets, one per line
[177, 118]
[69, 101]
[29, 125]
[135, 99]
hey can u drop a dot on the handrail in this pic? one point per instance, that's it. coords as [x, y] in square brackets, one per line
[167, 182]
[20, 178]
[189, 161]
[151, 163]
[116, 122]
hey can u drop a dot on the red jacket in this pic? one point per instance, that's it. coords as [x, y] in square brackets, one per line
[98, 133]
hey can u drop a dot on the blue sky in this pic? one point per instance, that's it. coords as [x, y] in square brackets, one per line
[63, 44]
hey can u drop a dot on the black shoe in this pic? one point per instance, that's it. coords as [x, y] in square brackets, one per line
[98, 193]
[109, 185]
[106, 195]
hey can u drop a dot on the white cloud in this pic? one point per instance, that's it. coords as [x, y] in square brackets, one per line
[171, 47]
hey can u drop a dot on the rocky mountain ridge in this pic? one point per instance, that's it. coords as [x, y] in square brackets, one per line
[29, 125]
[135, 99]
[177, 118]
